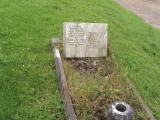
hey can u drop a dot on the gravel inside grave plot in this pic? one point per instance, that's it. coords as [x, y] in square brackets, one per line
[92, 65]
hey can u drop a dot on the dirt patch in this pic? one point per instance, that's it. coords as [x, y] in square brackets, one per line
[85, 65]
[92, 65]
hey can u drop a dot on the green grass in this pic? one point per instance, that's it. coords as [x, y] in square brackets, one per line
[28, 81]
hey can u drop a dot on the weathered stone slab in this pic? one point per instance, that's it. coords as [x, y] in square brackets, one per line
[85, 39]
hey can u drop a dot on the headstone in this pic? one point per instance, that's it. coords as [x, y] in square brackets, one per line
[85, 39]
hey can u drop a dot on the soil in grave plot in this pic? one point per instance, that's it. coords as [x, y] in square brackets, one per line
[94, 83]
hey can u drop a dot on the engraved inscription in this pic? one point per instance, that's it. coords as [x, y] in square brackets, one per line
[76, 35]
[96, 39]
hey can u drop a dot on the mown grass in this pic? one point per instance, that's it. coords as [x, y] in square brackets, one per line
[28, 81]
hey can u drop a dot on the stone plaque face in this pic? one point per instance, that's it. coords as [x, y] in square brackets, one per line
[85, 39]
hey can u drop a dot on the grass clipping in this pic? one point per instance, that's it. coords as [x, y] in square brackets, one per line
[94, 83]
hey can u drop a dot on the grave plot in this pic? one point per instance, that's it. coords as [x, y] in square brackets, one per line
[94, 84]
[93, 77]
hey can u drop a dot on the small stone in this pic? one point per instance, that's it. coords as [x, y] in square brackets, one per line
[94, 63]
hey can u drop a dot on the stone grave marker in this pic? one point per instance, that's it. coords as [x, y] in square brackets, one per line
[84, 39]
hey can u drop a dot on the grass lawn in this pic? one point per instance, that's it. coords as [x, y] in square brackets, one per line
[28, 81]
